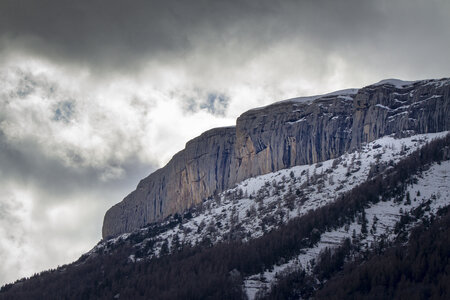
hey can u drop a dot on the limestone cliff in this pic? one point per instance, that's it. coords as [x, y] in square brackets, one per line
[281, 135]
[192, 174]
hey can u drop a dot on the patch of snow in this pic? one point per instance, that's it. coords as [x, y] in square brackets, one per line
[399, 94]
[425, 100]
[341, 93]
[382, 106]
[398, 101]
[401, 107]
[390, 118]
[433, 97]
[346, 98]
[298, 121]
[439, 82]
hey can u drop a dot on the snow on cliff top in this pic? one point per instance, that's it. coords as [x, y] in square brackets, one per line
[346, 93]
[395, 82]
[307, 99]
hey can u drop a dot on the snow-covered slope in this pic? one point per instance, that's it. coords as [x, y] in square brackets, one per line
[258, 205]
[430, 193]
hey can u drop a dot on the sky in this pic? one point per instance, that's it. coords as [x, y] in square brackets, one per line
[95, 95]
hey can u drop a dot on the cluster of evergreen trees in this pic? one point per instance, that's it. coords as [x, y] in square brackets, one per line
[388, 270]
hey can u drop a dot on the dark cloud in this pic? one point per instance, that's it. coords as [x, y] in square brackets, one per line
[113, 32]
[125, 34]
[126, 37]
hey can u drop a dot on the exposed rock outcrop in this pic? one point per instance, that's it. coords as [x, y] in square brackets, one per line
[193, 173]
[281, 135]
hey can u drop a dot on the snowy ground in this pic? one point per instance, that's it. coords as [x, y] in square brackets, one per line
[433, 185]
[259, 204]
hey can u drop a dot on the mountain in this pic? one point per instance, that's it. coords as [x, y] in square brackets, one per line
[360, 217]
[288, 133]
[289, 234]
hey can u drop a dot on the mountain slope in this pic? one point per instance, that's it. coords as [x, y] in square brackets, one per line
[379, 223]
[182, 271]
[282, 135]
[415, 269]
[260, 204]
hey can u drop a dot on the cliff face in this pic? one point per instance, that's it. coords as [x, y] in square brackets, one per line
[191, 175]
[285, 134]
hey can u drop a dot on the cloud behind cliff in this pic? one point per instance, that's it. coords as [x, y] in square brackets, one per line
[96, 94]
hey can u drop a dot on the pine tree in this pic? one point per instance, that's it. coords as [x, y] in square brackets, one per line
[364, 223]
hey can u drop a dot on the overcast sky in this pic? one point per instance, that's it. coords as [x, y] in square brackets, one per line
[95, 95]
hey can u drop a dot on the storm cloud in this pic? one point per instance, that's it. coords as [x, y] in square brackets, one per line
[125, 34]
[118, 35]
[95, 95]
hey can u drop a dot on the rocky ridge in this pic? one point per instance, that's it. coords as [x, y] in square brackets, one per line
[285, 134]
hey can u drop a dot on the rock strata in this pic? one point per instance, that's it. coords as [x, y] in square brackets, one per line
[284, 134]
